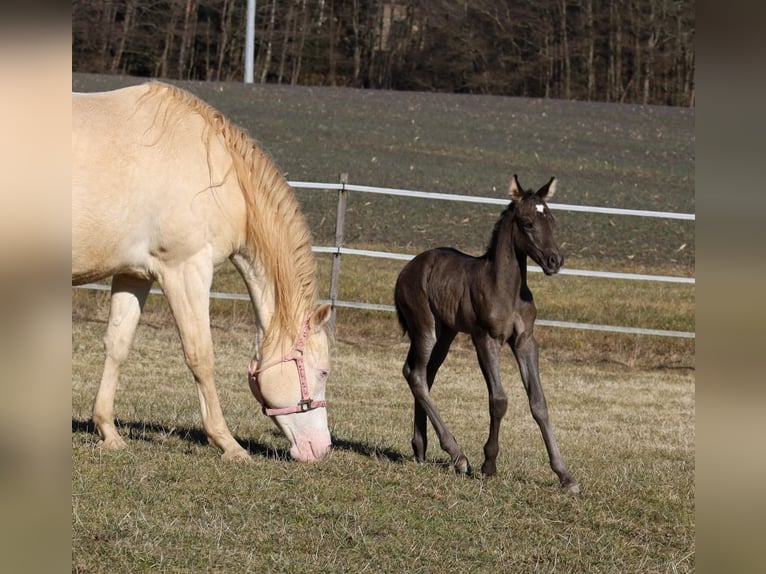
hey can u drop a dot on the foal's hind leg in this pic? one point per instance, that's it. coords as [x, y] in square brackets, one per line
[525, 350]
[128, 298]
[438, 354]
[420, 362]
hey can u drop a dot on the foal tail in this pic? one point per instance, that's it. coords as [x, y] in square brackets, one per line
[402, 319]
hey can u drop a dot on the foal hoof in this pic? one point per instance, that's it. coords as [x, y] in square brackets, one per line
[571, 487]
[488, 469]
[462, 466]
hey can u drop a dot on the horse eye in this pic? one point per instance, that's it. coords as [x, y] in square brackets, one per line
[324, 373]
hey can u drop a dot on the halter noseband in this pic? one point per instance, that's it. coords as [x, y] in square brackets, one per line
[296, 354]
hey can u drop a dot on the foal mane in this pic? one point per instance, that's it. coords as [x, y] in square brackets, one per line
[492, 247]
[277, 234]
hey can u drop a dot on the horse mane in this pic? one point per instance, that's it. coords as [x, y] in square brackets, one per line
[277, 234]
[492, 246]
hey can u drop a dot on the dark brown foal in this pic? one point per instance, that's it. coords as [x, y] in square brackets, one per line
[442, 292]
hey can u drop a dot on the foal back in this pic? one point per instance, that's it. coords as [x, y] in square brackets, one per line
[417, 298]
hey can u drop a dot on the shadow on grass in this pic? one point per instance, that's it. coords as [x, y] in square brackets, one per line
[367, 449]
[155, 433]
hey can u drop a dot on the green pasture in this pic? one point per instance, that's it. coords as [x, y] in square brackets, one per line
[622, 405]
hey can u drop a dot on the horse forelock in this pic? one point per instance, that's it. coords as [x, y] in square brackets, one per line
[276, 233]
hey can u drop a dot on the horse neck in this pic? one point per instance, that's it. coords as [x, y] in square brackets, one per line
[506, 260]
[267, 340]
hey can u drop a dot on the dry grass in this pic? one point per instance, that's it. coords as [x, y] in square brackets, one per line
[169, 503]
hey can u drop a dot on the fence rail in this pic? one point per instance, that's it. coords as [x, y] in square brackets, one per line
[338, 250]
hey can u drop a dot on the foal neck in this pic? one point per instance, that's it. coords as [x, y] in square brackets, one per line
[508, 261]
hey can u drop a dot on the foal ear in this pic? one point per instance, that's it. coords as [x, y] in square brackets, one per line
[547, 191]
[514, 189]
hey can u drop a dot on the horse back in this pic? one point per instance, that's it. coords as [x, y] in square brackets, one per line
[436, 284]
[150, 185]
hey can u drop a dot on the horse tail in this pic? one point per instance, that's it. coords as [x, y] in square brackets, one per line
[402, 319]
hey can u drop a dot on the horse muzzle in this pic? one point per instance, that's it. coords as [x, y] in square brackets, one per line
[552, 263]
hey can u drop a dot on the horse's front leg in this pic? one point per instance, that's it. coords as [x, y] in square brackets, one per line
[525, 350]
[487, 350]
[188, 292]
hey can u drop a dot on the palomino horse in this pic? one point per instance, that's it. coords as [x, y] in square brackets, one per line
[442, 292]
[165, 188]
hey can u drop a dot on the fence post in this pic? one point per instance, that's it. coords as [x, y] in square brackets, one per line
[339, 223]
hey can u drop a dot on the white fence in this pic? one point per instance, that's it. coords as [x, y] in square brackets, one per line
[343, 188]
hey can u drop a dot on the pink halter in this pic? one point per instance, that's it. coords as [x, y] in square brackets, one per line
[296, 354]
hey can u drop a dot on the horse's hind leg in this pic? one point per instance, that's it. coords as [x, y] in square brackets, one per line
[127, 301]
[425, 356]
[188, 292]
[525, 350]
[438, 354]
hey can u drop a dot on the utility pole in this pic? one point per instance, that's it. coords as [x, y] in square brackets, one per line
[250, 42]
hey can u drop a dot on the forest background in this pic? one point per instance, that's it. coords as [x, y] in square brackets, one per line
[631, 51]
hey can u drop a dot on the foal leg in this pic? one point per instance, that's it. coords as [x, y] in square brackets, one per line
[419, 361]
[127, 301]
[188, 291]
[487, 350]
[438, 354]
[525, 350]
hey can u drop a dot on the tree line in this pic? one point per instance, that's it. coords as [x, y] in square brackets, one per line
[635, 51]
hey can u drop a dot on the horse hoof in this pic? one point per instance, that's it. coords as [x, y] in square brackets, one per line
[462, 466]
[488, 469]
[571, 487]
[112, 443]
[237, 456]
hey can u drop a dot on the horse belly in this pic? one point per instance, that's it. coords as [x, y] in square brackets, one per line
[104, 244]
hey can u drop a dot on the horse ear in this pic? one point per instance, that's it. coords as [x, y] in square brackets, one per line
[547, 191]
[321, 315]
[514, 189]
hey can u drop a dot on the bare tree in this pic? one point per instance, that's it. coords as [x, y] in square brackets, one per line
[613, 50]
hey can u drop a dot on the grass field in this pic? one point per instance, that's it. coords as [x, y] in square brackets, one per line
[169, 503]
[623, 405]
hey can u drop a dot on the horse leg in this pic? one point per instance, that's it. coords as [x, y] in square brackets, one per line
[526, 353]
[438, 354]
[421, 360]
[487, 350]
[187, 289]
[127, 300]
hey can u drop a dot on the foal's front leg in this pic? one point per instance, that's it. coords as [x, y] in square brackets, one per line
[525, 350]
[487, 350]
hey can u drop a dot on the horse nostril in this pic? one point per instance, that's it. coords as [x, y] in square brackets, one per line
[555, 261]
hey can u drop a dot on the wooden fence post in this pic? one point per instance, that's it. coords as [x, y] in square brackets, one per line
[339, 223]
